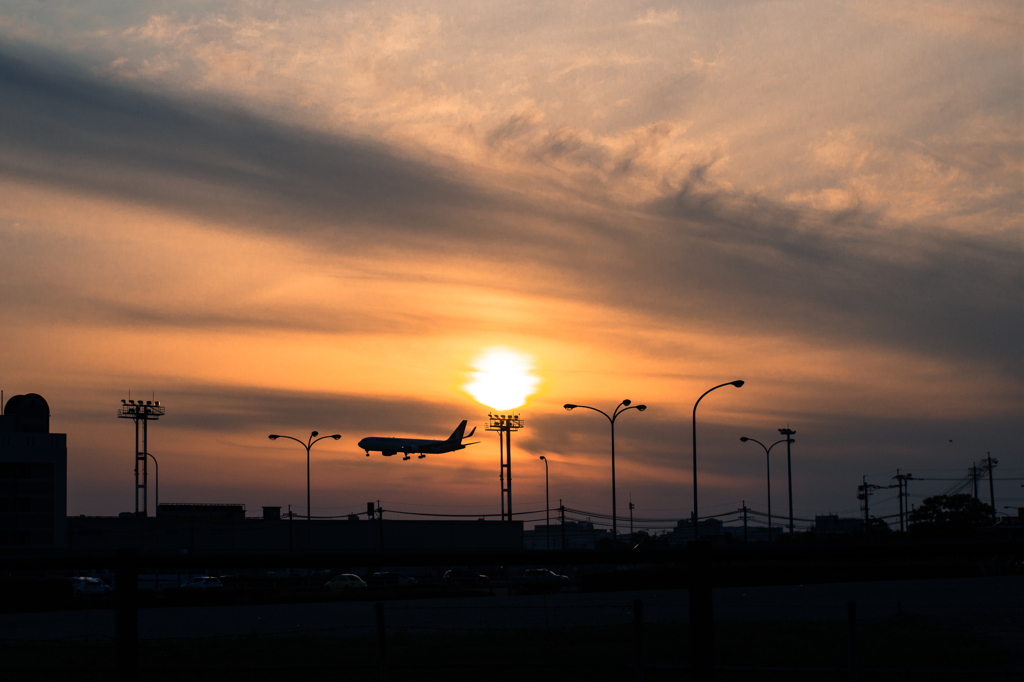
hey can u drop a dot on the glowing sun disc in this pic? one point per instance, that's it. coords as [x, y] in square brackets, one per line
[503, 379]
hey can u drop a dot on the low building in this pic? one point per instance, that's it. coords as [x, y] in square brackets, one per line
[708, 529]
[573, 535]
[224, 512]
[214, 528]
[752, 534]
[831, 524]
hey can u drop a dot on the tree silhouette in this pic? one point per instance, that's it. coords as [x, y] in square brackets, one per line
[950, 515]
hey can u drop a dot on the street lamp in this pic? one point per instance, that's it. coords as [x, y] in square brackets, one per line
[156, 467]
[767, 459]
[737, 384]
[788, 433]
[623, 406]
[547, 502]
[308, 445]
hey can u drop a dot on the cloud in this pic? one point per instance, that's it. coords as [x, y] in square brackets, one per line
[986, 21]
[653, 17]
[703, 254]
[855, 276]
[161, 29]
[64, 128]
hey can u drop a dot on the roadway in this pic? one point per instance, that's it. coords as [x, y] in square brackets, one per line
[988, 605]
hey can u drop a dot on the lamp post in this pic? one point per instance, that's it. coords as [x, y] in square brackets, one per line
[623, 407]
[308, 445]
[547, 502]
[737, 384]
[788, 433]
[156, 469]
[767, 459]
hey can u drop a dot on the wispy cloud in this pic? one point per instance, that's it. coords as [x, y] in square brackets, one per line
[842, 273]
[653, 17]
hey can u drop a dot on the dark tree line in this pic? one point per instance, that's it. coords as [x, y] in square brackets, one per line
[950, 515]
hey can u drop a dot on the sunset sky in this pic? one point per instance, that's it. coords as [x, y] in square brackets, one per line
[285, 216]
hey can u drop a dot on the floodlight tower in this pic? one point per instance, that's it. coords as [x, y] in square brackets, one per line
[145, 412]
[505, 424]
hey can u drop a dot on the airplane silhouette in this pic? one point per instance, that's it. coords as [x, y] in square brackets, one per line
[421, 446]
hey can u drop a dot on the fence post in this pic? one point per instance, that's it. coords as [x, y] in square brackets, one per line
[702, 626]
[382, 640]
[851, 619]
[380, 524]
[126, 615]
[561, 511]
[638, 629]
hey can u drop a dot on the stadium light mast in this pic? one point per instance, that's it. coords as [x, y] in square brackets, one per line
[145, 412]
[505, 424]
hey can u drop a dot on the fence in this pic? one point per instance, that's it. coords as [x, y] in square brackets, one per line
[389, 624]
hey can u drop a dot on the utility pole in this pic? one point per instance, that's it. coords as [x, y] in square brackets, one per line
[899, 494]
[864, 496]
[901, 484]
[561, 509]
[788, 433]
[864, 492]
[631, 517]
[991, 488]
[974, 479]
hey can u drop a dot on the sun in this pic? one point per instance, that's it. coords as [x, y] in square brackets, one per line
[502, 379]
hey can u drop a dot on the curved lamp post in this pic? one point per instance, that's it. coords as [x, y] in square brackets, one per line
[308, 445]
[547, 502]
[156, 466]
[767, 452]
[737, 384]
[623, 407]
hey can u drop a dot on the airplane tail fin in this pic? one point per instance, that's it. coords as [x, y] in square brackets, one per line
[458, 433]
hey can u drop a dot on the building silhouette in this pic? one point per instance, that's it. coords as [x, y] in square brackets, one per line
[576, 534]
[224, 528]
[33, 476]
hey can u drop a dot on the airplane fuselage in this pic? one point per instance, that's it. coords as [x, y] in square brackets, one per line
[421, 446]
[392, 446]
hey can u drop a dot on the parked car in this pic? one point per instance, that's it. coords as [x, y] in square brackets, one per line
[390, 578]
[83, 586]
[458, 575]
[204, 582]
[345, 582]
[544, 580]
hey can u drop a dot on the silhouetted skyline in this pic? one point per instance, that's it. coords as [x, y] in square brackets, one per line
[284, 218]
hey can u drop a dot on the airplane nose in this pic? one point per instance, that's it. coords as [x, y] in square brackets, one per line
[360, 443]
